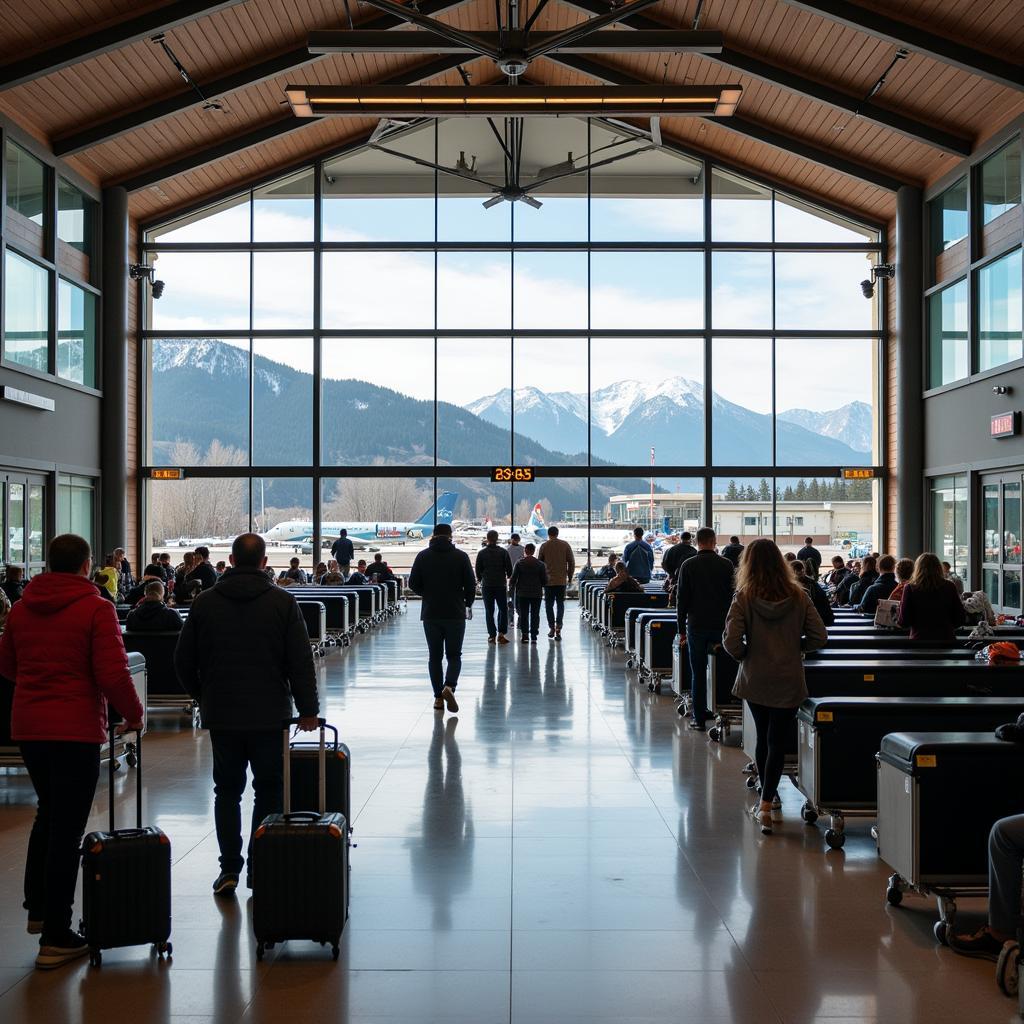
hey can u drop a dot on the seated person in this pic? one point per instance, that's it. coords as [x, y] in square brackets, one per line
[153, 616]
[607, 572]
[220, 568]
[904, 570]
[108, 578]
[358, 578]
[814, 592]
[294, 573]
[319, 572]
[333, 579]
[14, 583]
[138, 592]
[953, 578]
[623, 582]
[181, 578]
[882, 588]
[868, 575]
[837, 573]
[378, 571]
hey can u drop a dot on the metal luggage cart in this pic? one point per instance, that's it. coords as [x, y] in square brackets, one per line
[654, 668]
[726, 710]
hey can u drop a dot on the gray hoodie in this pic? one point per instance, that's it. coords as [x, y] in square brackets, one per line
[767, 638]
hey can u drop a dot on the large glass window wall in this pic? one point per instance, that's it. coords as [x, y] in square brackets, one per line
[636, 314]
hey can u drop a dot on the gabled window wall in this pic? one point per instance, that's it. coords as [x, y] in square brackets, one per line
[374, 317]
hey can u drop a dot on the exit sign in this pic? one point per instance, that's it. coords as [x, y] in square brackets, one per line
[1004, 424]
[168, 474]
[859, 474]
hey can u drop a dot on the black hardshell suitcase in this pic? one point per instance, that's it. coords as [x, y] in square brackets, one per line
[300, 869]
[338, 772]
[126, 881]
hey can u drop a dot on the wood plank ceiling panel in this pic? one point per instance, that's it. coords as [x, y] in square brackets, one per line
[27, 26]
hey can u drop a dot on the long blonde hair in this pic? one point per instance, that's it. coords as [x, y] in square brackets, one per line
[763, 573]
[928, 574]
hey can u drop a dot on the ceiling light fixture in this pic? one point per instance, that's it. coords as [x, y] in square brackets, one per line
[519, 101]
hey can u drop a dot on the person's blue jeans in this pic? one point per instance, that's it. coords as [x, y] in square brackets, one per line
[554, 605]
[698, 643]
[444, 640]
[529, 616]
[495, 597]
[233, 752]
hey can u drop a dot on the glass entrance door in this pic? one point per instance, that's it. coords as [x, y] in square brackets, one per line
[1001, 540]
[23, 520]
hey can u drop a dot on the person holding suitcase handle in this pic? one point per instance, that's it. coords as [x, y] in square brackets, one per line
[63, 651]
[244, 655]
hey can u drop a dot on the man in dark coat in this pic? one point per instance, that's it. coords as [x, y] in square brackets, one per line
[343, 551]
[733, 550]
[677, 554]
[809, 553]
[493, 568]
[152, 615]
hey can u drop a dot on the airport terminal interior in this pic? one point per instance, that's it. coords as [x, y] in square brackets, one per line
[353, 276]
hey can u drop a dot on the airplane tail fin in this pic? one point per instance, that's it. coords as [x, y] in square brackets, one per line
[445, 510]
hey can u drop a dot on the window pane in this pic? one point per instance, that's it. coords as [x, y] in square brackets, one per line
[26, 313]
[16, 526]
[283, 210]
[360, 290]
[374, 196]
[663, 506]
[282, 290]
[76, 214]
[284, 500]
[999, 312]
[741, 290]
[471, 373]
[637, 290]
[206, 291]
[75, 506]
[990, 522]
[961, 535]
[199, 402]
[184, 513]
[26, 185]
[819, 291]
[947, 333]
[948, 231]
[837, 514]
[36, 519]
[474, 290]
[943, 518]
[636, 402]
[76, 337]
[990, 584]
[831, 423]
[644, 195]
[614, 502]
[282, 402]
[382, 411]
[1011, 591]
[1000, 183]
[741, 412]
[1011, 522]
[227, 221]
[550, 290]
[550, 400]
[552, 146]
[742, 508]
[467, 144]
[741, 210]
[797, 221]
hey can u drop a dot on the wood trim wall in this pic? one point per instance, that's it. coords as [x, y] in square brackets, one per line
[889, 401]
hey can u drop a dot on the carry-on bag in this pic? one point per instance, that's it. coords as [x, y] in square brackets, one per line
[300, 867]
[126, 880]
[337, 777]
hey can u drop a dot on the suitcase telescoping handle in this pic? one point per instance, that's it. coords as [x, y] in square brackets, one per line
[321, 782]
[138, 776]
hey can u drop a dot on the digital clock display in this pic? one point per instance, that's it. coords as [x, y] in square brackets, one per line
[512, 475]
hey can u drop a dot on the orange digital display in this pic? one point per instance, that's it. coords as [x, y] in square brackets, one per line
[858, 474]
[168, 474]
[512, 475]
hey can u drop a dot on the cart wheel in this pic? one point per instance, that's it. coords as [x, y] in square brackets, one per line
[335, 952]
[132, 759]
[715, 734]
[749, 768]
[1006, 969]
[166, 948]
[259, 950]
[681, 708]
[894, 894]
[941, 931]
[751, 781]
[836, 840]
[96, 958]
[809, 814]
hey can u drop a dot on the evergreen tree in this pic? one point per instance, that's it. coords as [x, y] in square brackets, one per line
[801, 489]
[814, 490]
[764, 492]
[730, 492]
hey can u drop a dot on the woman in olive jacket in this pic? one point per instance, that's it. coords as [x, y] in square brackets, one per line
[771, 622]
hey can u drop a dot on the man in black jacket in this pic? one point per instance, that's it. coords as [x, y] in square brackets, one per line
[204, 571]
[881, 588]
[809, 553]
[703, 595]
[152, 615]
[493, 568]
[244, 655]
[733, 550]
[443, 577]
[677, 554]
[343, 551]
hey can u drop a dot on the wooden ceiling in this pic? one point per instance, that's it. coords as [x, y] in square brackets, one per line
[806, 67]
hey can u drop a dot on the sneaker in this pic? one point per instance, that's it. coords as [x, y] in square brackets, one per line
[492, 639]
[696, 726]
[502, 639]
[448, 696]
[66, 948]
[226, 884]
[558, 633]
[439, 704]
[551, 633]
[525, 639]
[763, 818]
[982, 944]
[777, 803]
[34, 927]
[533, 640]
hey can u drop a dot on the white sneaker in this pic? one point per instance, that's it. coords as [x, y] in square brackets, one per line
[449, 698]
[71, 947]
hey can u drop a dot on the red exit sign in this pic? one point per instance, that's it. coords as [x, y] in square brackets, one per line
[1003, 424]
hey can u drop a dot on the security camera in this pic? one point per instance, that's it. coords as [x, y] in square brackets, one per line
[868, 288]
[886, 270]
[330, 179]
[144, 272]
[158, 289]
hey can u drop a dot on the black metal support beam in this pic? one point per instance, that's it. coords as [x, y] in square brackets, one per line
[270, 67]
[919, 40]
[272, 130]
[743, 126]
[112, 37]
[793, 82]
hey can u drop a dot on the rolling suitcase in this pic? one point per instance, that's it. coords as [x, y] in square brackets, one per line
[300, 868]
[126, 881]
[337, 778]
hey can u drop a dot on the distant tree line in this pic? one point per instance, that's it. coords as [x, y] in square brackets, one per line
[826, 489]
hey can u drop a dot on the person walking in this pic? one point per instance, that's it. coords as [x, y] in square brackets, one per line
[930, 606]
[529, 583]
[770, 624]
[676, 555]
[443, 577]
[558, 559]
[244, 655]
[343, 551]
[703, 594]
[639, 557]
[515, 552]
[733, 551]
[493, 568]
[59, 720]
[810, 553]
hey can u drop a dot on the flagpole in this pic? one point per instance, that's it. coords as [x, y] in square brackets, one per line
[652, 491]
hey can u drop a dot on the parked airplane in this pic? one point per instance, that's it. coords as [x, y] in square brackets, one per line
[599, 540]
[300, 532]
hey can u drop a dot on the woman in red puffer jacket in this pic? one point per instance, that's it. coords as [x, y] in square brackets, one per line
[63, 651]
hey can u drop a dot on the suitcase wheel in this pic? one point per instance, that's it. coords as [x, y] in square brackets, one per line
[95, 958]
[751, 781]
[1006, 969]
[132, 758]
[836, 840]
[715, 734]
[894, 892]
[162, 949]
[941, 930]
[809, 814]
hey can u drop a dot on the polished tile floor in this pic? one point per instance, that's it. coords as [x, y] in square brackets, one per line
[562, 850]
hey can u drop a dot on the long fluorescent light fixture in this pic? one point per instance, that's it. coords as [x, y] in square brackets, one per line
[515, 101]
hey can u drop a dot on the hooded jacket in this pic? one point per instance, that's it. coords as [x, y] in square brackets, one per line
[493, 566]
[443, 577]
[767, 638]
[244, 654]
[880, 590]
[62, 648]
[153, 617]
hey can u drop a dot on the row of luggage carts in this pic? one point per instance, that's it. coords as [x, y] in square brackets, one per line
[894, 731]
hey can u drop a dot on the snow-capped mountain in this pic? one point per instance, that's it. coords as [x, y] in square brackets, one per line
[850, 423]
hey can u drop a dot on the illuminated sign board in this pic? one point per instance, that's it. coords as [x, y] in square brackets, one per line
[168, 474]
[859, 474]
[1003, 424]
[512, 474]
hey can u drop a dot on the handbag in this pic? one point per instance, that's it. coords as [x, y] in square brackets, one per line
[887, 614]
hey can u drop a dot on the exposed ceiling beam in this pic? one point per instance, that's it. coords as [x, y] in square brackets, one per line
[937, 138]
[104, 40]
[267, 68]
[224, 148]
[743, 126]
[919, 40]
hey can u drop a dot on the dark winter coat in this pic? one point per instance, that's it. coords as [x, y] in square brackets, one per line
[153, 617]
[878, 591]
[343, 551]
[704, 591]
[529, 577]
[675, 556]
[443, 577]
[733, 552]
[493, 566]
